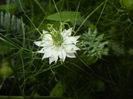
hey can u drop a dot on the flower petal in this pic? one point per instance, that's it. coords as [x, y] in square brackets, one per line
[39, 43]
[71, 55]
[62, 55]
[47, 37]
[51, 59]
[70, 40]
[44, 32]
[46, 55]
[71, 48]
[67, 32]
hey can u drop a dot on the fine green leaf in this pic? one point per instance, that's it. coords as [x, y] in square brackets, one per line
[64, 16]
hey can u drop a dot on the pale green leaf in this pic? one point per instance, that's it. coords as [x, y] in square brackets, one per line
[64, 16]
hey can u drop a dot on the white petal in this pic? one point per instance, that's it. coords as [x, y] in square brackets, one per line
[39, 43]
[71, 48]
[44, 32]
[71, 55]
[51, 59]
[67, 32]
[47, 37]
[40, 51]
[43, 43]
[62, 55]
[54, 53]
[46, 55]
[55, 58]
[70, 40]
[45, 49]
[47, 43]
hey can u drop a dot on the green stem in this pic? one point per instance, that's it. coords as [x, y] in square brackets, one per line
[29, 18]
[40, 6]
[102, 11]
[89, 17]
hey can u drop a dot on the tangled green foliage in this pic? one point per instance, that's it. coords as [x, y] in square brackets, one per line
[93, 44]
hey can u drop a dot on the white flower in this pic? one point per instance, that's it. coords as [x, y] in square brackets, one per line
[58, 46]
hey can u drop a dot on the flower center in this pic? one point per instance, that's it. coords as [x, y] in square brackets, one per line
[56, 35]
[57, 39]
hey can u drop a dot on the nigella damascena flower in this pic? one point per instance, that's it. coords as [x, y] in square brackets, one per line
[57, 44]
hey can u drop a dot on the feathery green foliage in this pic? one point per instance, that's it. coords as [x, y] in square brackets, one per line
[93, 44]
[9, 23]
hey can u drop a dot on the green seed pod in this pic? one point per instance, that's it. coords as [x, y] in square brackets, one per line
[5, 69]
[127, 4]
